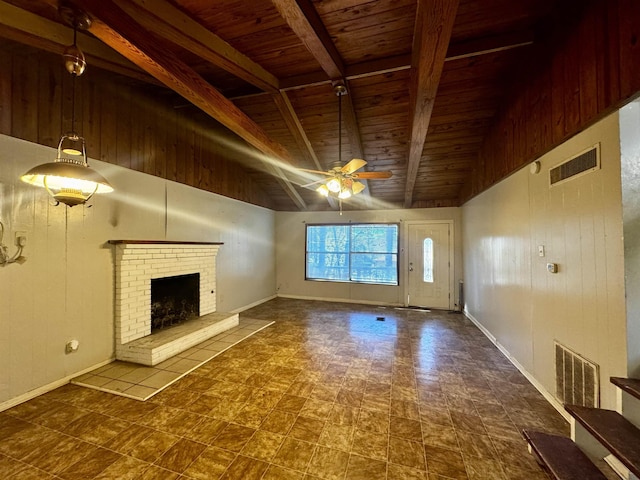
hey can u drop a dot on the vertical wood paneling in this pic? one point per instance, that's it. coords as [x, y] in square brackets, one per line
[629, 27]
[171, 168]
[121, 124]
[108, 121]
[50, 106]
[91, 119]
[123, 129]
[6, 60]
[595, 68]
[24, 105]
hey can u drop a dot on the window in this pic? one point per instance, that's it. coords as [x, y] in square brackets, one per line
[427, 255]
[362, 253]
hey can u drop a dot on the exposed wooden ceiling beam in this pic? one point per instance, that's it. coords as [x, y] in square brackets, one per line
[25, 27]
[434, 23]
[471, 48]
[165, 20]
[295, 127]
[307, 25]
[115, 28]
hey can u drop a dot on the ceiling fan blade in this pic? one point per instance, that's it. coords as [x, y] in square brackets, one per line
[316, 171]
[357, 187]
[373, 175]
[353, 165]
[314, 183]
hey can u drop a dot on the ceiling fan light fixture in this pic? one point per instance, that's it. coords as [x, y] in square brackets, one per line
[323, 190]
[334, 185]
[344, 194]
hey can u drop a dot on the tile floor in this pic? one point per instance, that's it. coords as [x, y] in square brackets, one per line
[327, 392]
[141, 382]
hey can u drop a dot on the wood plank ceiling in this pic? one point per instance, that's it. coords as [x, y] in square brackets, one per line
[425, 79]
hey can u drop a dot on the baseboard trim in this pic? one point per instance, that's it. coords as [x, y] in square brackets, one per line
[254, 304]
[25, 397]
[341, 300]
[538, 386]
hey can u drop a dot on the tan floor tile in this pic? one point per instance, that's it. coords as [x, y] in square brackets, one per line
[447, 463]
[275, 472]
[337, 436]
[373, 421]
[344, 415]
[153, 446]
[245, 468]
[157, 473]
[364, 468]
[407, 453]
[290, 403]
[440, 436]
[233, 437]
[125, 468]
[96, 428]
[307, 429]
[400, 472]
[180, 455]
[328, 464]
[294, 454]
[372, 445]
[263, 445]
[211, 464]
[405, 428]
[278, 422]
[314, 408]
[90, 466]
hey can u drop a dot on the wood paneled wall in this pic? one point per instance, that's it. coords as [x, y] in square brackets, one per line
[121, 123]
[595, 70]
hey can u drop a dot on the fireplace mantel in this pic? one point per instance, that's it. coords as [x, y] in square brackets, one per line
[160, 242]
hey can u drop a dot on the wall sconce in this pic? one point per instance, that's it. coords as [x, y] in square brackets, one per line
[69, 179]
[5, 258]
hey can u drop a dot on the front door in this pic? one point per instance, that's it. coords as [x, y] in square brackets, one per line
[429, 266]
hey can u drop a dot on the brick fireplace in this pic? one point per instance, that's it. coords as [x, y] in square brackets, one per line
[136, 264]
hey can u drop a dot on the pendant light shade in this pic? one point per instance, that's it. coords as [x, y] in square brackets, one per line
[69, 179]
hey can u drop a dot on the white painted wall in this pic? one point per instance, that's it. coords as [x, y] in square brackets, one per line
[507, 287]
[65, 289]
[290, 254]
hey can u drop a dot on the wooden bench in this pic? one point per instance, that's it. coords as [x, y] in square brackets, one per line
[561, 457]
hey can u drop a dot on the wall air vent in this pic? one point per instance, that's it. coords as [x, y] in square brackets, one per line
[577, 379]
[583, 163]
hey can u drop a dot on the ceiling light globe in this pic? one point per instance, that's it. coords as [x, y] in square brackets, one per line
[323, 190]
[344, 194]
[334, 185]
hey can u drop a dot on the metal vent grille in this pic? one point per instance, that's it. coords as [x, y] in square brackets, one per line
[577, 379]
[582, 163]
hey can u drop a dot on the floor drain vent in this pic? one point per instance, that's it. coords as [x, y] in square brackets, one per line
[380, 319]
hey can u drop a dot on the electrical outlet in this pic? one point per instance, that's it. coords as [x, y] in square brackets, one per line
[20, 239]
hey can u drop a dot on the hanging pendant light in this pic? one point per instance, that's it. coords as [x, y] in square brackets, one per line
[69, 179]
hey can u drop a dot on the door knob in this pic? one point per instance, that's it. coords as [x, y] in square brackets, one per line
[411, 267]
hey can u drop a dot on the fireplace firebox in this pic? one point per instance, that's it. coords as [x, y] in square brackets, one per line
[174, 300]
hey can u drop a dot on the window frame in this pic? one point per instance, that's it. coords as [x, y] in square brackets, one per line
[352, 252]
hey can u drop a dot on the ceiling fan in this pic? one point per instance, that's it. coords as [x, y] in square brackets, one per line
[342, 181]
